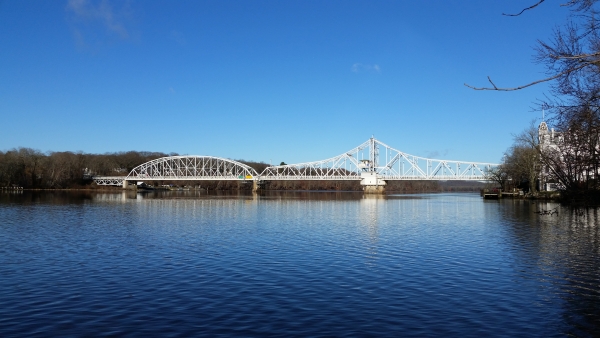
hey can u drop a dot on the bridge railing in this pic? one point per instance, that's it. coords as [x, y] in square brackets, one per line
[310, 178]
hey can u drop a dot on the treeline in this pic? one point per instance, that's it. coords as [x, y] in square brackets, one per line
[564, 152]
[258, 166]
[322, 185]
[343, 185]
[566, 159]
[30, 168]
[407, 187]
[404, 187]
[33, 169]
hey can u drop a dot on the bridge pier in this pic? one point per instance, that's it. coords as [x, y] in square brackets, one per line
[126, 185]
[374, 189]
[257, 185]
[372, 183]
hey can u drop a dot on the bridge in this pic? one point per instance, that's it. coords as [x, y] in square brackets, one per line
[373, 163]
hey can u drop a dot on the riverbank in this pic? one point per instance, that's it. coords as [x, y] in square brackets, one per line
[301, 185]
[519, 194]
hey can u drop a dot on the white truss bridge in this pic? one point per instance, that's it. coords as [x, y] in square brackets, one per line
[372, 162]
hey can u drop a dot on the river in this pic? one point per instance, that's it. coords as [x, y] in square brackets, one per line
[186, 263]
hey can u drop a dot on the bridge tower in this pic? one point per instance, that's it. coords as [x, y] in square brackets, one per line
[370, 180]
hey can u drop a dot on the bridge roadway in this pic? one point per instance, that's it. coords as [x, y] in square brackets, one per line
[373, 163]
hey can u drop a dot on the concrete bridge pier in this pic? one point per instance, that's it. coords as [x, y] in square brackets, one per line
[257, 185]
[372, 183]
[126, 185]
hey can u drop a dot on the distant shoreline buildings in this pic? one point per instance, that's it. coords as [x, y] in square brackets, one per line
[549, 141]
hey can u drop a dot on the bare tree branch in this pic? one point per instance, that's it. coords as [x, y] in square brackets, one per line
[575, 57]
[489, 79]
[525, 9]
[570, 3]
[569, 156]
[570, 70]
[512, 89]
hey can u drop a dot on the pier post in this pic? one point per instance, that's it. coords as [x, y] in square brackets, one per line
[126, 185]
[372, 183]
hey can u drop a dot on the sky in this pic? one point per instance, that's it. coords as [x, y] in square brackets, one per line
[271, 81]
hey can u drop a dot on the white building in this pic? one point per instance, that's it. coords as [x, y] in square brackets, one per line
[549, 140]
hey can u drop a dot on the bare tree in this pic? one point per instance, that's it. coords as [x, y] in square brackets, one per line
[499, 175]
[523, 166]
[522, 162]
[573, 159]
[572, 60]
[573, 53]
[528, 153]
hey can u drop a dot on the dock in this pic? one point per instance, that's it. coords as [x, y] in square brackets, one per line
[495, 194]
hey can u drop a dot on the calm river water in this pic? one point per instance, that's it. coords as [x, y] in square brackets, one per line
[295, 264]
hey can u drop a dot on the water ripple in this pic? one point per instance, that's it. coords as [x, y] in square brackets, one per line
[436, 265]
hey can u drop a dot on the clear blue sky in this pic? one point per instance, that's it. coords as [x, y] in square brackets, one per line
[276, 81]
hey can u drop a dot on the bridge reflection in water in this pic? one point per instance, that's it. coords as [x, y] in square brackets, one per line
[373, 163]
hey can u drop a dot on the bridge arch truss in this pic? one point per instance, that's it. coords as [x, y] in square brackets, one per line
[178, 168]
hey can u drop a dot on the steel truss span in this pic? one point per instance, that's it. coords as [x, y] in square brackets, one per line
[386, 162]
[370, 159]
[192, 168]
[109, 180]
[342, 167]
